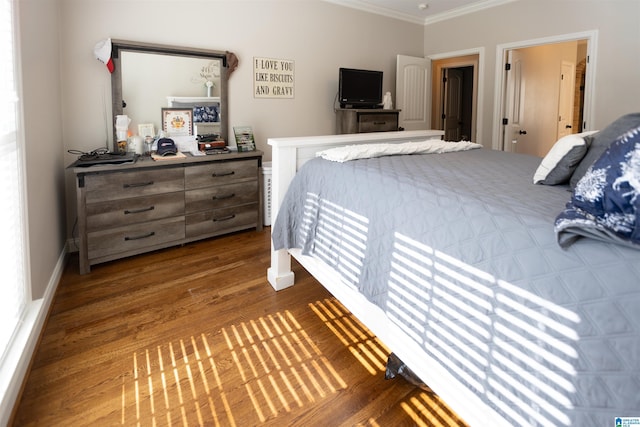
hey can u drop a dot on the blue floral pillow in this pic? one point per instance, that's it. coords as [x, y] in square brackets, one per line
[606, 201]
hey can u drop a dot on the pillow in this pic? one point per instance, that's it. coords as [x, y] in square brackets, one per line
[563, 158]
[606, 202]
[601, 141]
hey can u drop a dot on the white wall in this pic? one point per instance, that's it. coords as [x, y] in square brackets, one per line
[617, 79]
[319, 36]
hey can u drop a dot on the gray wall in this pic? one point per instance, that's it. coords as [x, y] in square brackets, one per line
[46, 209]
[617, 84]
[65, 87]
[319, 36]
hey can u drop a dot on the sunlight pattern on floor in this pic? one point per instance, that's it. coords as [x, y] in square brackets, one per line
[171, 381]
[423, 408]
[428, 410]
[364, 346]
[272, 357]
[279, 364]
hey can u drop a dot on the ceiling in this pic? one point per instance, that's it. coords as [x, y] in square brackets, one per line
[420, 11]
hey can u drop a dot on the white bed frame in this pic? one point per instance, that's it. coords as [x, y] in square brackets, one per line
[288, 155]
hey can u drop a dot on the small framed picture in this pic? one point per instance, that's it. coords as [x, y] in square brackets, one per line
[146, 129]
[177, 121]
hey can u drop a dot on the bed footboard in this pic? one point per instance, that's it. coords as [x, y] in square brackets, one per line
[288, 154]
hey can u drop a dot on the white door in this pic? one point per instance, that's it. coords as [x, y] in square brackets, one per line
[412, 85]
[514, 102]
[452, 107]
[565, 102]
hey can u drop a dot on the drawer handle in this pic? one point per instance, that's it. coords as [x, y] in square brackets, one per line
[222, 174]
[135, 211]
[138, 184]
[224, 218]
[228, 196]
[144, 236]
[379, 123]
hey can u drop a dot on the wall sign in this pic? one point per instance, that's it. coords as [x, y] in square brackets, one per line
[273, 78]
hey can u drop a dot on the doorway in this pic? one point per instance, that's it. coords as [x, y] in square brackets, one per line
[455, 95]
[543, 92]
[420, 94]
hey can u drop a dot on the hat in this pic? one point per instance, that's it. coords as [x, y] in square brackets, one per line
[102, 52]
[166, 146]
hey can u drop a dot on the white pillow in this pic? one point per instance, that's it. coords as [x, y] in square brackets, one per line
[563, 158]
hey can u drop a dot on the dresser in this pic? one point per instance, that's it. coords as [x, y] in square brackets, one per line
[358, 120]
[129, 209]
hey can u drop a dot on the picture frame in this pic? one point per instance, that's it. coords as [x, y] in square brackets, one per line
[177, 121]
[146, 129]
[245, 140]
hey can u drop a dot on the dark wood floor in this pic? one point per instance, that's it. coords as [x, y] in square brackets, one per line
[196, 336]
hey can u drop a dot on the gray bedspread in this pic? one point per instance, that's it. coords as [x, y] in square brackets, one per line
[459, 250]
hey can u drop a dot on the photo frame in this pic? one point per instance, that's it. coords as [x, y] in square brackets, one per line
[177, 121]
[146, 129]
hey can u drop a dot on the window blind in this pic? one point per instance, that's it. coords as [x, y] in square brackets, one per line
[12, 278]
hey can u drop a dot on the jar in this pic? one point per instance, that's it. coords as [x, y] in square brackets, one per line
[136, 144]
[148, 144]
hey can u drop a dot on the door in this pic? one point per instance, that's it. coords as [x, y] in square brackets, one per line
[514, 102]
[452, 107]
[536, 65]
[463, 95]
[412, 78]
[566, 99]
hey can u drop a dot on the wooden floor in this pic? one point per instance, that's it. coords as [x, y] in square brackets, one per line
[196, 336]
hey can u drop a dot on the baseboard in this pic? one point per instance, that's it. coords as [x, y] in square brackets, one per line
[16, 364]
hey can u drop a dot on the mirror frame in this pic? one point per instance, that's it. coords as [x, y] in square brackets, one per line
[116, 77]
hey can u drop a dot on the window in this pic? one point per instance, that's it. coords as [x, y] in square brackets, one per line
[13, 294]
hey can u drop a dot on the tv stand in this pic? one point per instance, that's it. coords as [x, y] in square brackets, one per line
[360, 106]
[361, 120]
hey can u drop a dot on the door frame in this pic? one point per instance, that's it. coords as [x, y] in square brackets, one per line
[478, 84]
[501, 77]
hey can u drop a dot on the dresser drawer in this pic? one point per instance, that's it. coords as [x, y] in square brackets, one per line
[378, 122]
[221, 196]
[217, 173]
[123, 212]
[134, 237]
[122, 185]
[222, 220]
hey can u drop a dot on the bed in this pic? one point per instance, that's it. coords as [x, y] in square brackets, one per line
[452, 260]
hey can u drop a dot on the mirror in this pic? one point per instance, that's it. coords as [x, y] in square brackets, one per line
[149, 77]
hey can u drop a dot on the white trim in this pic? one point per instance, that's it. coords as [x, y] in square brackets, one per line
[465, 10]
[500, 76]
[479, 111]
[15, 366]
[391, 13]
[383, 11]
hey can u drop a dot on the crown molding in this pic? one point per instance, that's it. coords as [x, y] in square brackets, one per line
[464, 10]
[367, 7]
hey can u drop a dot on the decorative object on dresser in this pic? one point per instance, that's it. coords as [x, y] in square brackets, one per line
[244, 138]
[356, 120]
[129, 209]
[177, 70]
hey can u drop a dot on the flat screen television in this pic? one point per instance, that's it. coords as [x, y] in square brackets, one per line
[359, 88]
